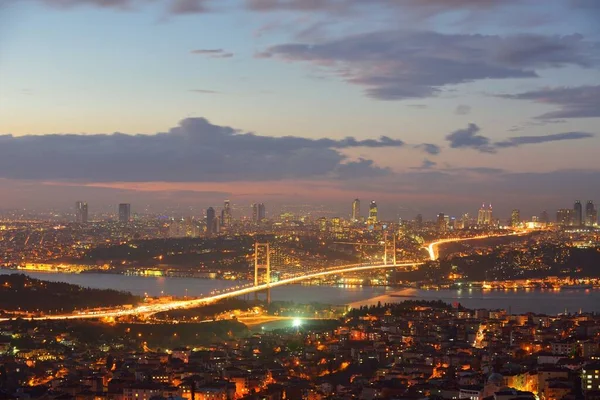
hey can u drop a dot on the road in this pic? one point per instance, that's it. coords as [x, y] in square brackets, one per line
[186, 304]
[432, 247]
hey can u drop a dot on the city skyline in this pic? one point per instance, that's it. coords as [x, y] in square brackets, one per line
[316, 103]
[576, 216]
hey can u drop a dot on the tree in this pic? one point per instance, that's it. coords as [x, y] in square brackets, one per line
[110, 361]
[3, 376]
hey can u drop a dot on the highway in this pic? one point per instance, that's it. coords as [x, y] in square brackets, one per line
[432, 247]
[192, 303]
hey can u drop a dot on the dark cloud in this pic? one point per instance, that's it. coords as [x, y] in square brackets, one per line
[213, 53]
[395, 65]
[462, 109]
[188, 6]
[422, 7]
[360, 169]
[468, 138]
[480, 170]
[429, 148]
[174, 7]
[574, 102]
[521, 140]
[428, 164]
[194, 151]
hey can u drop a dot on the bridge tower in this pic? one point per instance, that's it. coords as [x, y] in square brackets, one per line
[389, 254]
[262, 262]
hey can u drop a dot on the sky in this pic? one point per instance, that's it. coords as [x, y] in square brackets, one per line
[425, 106]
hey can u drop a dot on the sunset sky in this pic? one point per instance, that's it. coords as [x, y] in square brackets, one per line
[426, 106]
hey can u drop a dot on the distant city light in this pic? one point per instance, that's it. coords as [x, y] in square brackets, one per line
[297, 323]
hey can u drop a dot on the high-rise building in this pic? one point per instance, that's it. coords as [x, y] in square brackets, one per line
[485, 216]
[565, 216]
[356, 210]
[591, 214]
[211, 221]
[419, 221]
[336, 225]
[577, 213]
[373, 213]
[441, 222]
[258, 213]
[226, 217]
[254, 213]
[81, 212]
[124, 212]
[544, 219]
[466, 221]
[515, 218]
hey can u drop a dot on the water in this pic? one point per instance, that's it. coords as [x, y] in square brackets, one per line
[539, 301]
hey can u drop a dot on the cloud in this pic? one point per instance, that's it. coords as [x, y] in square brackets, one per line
[173, 7]
[204, 91]
[462, 109]
[179, 7]
[521, 140]
[427, 164]
[396, 65]
[118, 4]
[573, 102]
[468, 138]
[429, 148]
[422, 7]
[213, 53]
[194, 151]
[361, 169]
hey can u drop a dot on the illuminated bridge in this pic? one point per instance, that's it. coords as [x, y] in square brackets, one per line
[262, 261]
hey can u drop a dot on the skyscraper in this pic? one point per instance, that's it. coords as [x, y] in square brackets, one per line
[81, 212]
[481, 215]
[591, 214]
[419, 221]
[515, 218]
[124, 212]
[544, 219]
[485, 216]
[578, 213]
[356, 210]
[210, 221]
[258, 213]
[441, 222]
[226, 217]
[373, 212]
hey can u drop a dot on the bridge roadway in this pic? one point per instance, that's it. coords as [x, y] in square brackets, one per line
[192, 303]
[185, 304]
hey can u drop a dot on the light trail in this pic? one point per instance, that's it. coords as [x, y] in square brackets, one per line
[431, 248]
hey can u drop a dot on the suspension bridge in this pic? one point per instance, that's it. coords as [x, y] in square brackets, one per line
[263, 281]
